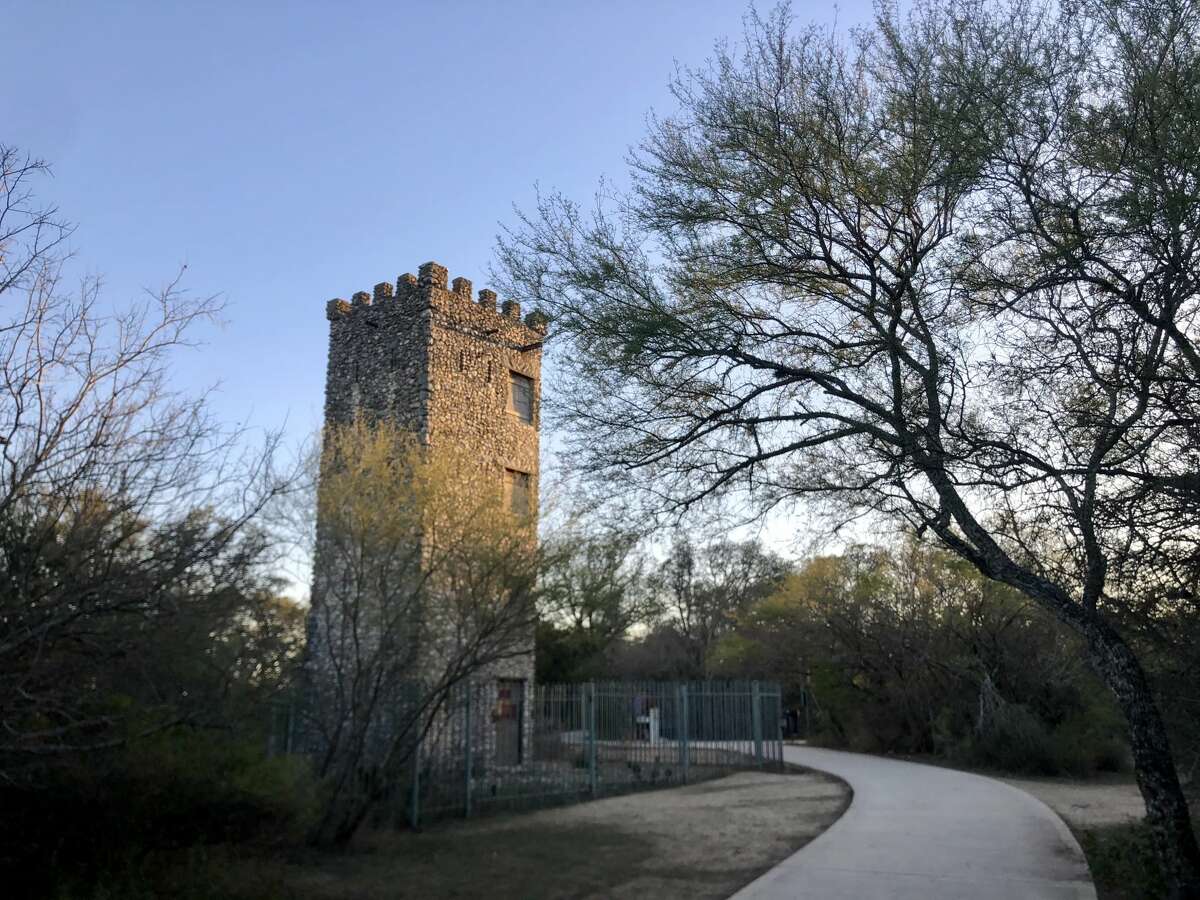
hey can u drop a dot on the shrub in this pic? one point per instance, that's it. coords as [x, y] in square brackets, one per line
[103, 818]
[1018, 740]
[1092, 740]
[1123, 862]
[1015, 740]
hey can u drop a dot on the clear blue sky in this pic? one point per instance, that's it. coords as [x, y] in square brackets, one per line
[293, 152]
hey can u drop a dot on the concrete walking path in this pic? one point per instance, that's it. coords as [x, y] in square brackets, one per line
[916, 832]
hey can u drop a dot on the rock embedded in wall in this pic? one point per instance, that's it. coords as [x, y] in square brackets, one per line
[438, 362]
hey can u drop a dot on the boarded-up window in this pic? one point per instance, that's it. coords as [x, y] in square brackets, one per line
[507, 714]
[516, 491]
[520, 396]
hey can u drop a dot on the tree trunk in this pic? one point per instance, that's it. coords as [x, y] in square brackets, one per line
[1166, 807]
[344, 810]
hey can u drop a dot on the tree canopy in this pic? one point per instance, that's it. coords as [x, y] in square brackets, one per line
[943, 270]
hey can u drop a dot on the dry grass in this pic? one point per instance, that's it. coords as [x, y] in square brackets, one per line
[1086, 803]
[700, 841]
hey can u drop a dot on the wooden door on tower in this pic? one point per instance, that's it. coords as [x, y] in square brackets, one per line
[510, 697]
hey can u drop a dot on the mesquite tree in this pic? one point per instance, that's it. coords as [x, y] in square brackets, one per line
[944, 271]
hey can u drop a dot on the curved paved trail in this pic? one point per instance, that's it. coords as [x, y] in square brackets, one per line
[916, 832]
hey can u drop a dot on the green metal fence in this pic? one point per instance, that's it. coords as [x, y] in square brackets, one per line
[581, 741]
[496, 745]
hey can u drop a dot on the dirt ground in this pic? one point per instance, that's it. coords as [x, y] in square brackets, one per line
[1104, 813]
[1097, 802]
[701, 841]
[1087, 804]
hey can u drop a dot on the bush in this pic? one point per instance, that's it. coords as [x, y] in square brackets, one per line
[1092, 740]
[1123, 862]
[1015, 740]
[103, 818]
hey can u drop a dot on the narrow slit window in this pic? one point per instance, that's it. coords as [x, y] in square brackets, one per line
[520, 396]
[517, 492]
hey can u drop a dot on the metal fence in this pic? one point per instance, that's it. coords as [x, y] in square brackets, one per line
[497, 745]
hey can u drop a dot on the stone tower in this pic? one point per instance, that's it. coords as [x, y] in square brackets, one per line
[456, 372]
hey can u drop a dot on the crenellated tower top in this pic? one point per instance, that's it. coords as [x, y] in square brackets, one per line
[431, 288]
[462, 376]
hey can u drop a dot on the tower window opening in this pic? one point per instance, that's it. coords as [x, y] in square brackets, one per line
[517, 491]
[520, 396]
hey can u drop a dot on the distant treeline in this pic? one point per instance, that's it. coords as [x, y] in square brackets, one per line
[894, 649]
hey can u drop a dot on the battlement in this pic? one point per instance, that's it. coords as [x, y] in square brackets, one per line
[430, 285]
[460, 374]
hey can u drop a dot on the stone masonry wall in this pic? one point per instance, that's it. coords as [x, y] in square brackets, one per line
[427, 354]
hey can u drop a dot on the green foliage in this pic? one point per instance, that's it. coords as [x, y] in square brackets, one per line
[594, 591]
[702, 590]
[109, 818]
[951, 246]
[142, 736]
[605, 617]
[180, 621]
[661, 654]
[1123, 862]
[416, 551]
[1092, 740]
[1016, 741]
[142, 733]
[1089, 740]
[910, 650]
[567, 655]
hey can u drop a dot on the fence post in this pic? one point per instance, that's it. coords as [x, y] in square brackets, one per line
[590, 696]
[807, 697]
[414, 804]
[684, 752]
[273, 731]
[679, 728]
[779, 724]
[756, 722]
[290, 742]
[467, 751]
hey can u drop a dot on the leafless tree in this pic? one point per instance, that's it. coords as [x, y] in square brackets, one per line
[103, 467]
[943, 270]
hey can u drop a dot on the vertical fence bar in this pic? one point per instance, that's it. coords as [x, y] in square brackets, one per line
[579, 721]
[467, 751]
[683, 699]
[807, 697]
[730, 725]
[290, 745]
[679, 726]
[779, 726]
[725, 730]
[739, 702]
[727, 714]
[746, 716]
[590, 711]
[630, 727]
[756, 722]
[414, 803]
